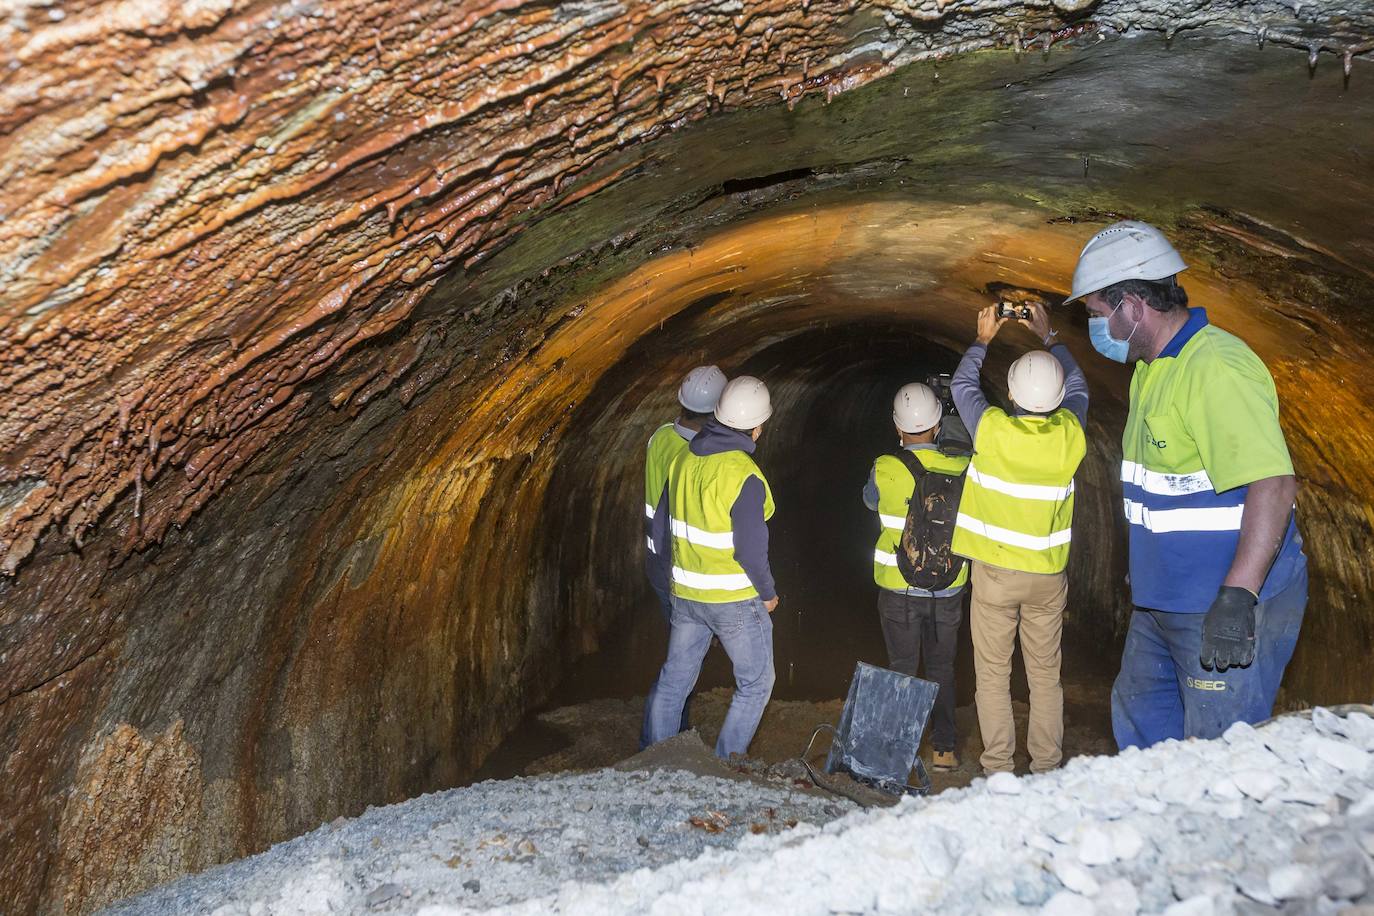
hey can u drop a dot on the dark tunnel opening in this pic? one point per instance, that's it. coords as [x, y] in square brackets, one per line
[832, 386]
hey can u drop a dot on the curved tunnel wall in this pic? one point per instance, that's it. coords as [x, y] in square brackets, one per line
[370, 603]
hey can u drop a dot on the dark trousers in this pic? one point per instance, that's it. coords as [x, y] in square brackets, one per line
[912, 624]
[1164, 692]
[644, 737]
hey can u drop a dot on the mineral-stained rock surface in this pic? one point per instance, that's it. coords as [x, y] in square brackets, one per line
[305, 305]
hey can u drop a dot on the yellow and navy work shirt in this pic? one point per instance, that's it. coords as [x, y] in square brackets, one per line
[889, 493]
[667, 442]
[1203, 425]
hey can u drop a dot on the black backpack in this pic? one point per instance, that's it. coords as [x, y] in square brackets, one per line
[924, 557]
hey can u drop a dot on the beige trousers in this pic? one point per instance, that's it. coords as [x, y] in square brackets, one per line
[1006, 602]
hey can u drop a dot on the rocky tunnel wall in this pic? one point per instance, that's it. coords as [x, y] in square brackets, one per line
[306, 306]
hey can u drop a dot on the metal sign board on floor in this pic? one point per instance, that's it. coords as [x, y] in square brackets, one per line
[880, 730]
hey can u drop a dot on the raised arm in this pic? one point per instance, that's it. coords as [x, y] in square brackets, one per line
[1075, 385]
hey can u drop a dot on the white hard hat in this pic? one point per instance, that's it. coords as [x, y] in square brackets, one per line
[1127, 250]
[700, 390]
[1036, 382]
[916, 409]
[744, 403]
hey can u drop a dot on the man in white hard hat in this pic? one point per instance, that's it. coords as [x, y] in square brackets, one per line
[1015, 523]
[917, 620]
[697, 395]
[710, 536]
[1217, 571]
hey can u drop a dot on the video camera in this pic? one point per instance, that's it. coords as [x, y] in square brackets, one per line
[953, 438]
[939, 383]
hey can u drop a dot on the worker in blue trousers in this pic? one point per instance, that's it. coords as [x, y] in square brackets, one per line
[697, 396]
[1217, 572]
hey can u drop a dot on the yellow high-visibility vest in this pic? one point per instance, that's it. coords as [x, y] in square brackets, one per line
[701, 491]
[1016, 511]
[664, 446]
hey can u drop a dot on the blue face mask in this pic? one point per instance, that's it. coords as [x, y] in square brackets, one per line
[1104, 342]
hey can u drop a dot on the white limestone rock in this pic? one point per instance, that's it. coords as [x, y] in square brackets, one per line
[1344, 756]
[1328, 723]
[1224, 788]
[1240, 733]
[1291, 882]
[1362, 808]
[1359, 728]
[1230, 810]
[1127, 842]
[1063, 827]
[1255, 885]
[1117, 897]
[1074, 876]
[1004, 784]
[1095, 846]
[939, 857]
[1067, 903]
[1181, 790]
[1319, 771]
[1257, 784]
[1303, 792]
[1150, 805]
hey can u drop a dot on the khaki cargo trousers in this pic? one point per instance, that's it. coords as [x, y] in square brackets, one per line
[1006, 602]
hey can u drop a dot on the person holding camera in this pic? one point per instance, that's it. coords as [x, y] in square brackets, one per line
[1217, 571]
[915, 492]
[1015, 524]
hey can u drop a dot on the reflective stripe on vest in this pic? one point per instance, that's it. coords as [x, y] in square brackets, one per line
[702, 490]
[1016, 511]
[895, 486]
[1169, 521]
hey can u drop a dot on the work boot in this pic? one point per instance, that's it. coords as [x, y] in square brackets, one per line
[944, 761]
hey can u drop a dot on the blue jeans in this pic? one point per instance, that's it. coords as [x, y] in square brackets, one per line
[686, 723]
[745, 630]
[1164, 692]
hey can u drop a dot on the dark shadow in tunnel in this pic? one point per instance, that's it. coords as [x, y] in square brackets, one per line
[832, 390]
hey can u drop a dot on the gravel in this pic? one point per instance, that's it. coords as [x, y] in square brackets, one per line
[1242, 824]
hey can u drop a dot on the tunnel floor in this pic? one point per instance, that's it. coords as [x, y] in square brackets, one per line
[593, 718]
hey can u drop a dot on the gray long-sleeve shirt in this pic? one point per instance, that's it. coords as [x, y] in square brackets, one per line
[967, 389]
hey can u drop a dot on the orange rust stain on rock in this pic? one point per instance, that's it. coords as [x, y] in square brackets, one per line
[205, 205]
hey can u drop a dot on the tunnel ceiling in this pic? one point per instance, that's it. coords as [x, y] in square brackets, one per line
[211, 208]
[304, 303]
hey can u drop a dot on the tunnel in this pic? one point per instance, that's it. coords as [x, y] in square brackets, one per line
[333, 333]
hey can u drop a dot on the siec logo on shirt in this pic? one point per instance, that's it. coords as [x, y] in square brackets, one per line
[1199, 684]
[1157, 443]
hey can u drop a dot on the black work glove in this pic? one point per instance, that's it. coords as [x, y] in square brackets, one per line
[1228, 630]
